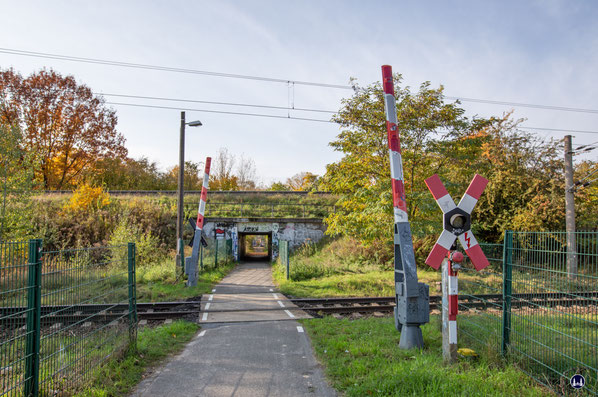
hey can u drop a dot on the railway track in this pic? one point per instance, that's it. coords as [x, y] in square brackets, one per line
[81, 314]
[466, 302]
[160, 311]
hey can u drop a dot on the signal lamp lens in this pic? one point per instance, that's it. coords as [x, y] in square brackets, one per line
[457, 221]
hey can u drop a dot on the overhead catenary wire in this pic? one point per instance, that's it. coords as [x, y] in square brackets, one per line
[526, 105]
[167, 68]
[263, 78]
[587, 176]
[219, 112]
[217, 103]
[291, 117]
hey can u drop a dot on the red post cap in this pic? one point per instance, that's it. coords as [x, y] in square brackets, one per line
[456, 257]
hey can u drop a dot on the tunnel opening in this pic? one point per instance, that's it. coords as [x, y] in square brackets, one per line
[255, 246]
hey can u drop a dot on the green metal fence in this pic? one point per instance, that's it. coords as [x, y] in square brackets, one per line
[62, 314]
[284, 256]
[545, 319]
[15, 289]
[217, 252]
[480, 312]
[550, 315]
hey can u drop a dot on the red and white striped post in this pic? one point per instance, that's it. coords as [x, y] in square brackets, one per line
[204, 195]
[456, 224]
[412, 298]
[191, 263]
[394, 147]
[450, 306]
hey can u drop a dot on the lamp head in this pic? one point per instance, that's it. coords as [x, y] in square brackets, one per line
[195, 123]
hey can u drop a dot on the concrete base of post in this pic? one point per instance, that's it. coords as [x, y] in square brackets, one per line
[411, 337]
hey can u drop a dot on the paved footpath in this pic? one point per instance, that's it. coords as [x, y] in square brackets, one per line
[243, 349]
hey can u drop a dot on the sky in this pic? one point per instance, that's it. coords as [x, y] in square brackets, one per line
[538, 52]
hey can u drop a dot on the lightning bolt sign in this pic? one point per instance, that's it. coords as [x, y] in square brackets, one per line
[452, 230]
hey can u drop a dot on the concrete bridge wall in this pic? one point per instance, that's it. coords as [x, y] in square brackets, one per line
[295, 230]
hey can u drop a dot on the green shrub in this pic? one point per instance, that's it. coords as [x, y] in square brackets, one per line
[147, 245]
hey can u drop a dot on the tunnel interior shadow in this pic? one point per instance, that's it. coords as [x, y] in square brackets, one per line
[255, 246]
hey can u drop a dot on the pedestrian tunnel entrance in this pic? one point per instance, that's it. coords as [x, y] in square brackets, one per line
[255, 246]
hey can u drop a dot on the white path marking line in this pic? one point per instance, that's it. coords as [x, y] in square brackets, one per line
[280, 303]
[275, 296]
[207, 306]
[299, 329]
[291, 315]
[211, 297]
[204, 317]
[202, 333]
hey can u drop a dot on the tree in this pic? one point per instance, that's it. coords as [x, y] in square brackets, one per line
[434, 136]
[63, 121]
[303, 181]
[586, 197]
[193, 177]
[129, 174]
[279, 187]
[222, 173]
[525, 190]
[16, 167]
[246, 173]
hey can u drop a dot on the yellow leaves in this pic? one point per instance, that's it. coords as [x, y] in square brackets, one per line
[88, 197]
[466, 352]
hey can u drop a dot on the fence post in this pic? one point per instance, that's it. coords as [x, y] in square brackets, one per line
[285, 257]
[507, 268]
[201, 257]
[182, 256]
[33, 319]
[131, 253]
[216, 256]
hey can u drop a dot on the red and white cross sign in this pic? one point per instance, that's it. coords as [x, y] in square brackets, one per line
[457, 222]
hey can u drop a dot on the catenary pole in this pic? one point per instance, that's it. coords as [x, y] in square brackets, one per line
[570, 210]
[180, 192]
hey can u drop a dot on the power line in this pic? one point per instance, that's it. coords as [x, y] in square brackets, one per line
[558, 130]
[268, 79]
[218, 103]
[292, 117]
[219, 112]
[583, 145]
[165, 68]
[586, 177]
[526, 105]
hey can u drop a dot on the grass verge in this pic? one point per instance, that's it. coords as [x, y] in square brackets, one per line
[362, 358]
[159, 284]
[341, 267]
[120, 375]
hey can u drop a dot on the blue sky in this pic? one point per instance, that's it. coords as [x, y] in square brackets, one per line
[543, 52]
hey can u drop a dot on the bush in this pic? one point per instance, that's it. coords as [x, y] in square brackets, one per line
[87, 197]
[147, 245]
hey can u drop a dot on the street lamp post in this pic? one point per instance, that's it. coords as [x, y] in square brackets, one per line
[181, 189]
